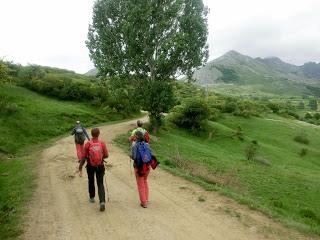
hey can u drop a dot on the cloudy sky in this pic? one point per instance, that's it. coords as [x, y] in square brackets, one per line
[53, 32]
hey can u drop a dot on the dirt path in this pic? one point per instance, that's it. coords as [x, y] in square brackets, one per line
[60, 207]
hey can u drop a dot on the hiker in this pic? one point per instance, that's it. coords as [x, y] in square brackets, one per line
[94, 153]
[80, 135]
[139, 128]
[141, 155]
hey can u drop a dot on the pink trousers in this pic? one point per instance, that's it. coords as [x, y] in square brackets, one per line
[143, 189]
[79, 148]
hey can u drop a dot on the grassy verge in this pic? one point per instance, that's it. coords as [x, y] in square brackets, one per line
[27, 123]
[279, 180]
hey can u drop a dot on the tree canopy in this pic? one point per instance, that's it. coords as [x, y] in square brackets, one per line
[3, 72]
[153, 41]
[155, 38]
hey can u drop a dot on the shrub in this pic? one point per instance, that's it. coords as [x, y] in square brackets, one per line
[239, 133]
[292, 114]
[303, 152]
[214, 114]
[317, 116]
[251, 150]
[302, 138]
[7, 107]
[274, 107]
[230, 107]
[308, 115]
[192, 115]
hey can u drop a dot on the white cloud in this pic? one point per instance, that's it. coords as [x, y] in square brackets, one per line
[53, 32]
[287, 29]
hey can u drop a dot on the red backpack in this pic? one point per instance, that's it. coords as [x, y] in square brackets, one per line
[95, 154]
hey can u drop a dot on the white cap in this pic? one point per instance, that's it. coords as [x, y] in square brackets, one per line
[77, 122]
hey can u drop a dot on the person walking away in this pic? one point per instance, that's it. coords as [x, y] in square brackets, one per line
[80, 135]
[95, 151]
[141, 155]
[139, 128]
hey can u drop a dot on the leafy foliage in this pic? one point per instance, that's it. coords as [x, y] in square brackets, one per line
[152, 41]
[313, 104]
[251, 150]
[301, 138]
[3, 72]
[191, 116]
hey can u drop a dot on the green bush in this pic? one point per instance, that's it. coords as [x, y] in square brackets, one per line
[303, 152]
[191, 115]
[308, 115]
[251, 150]
[7, 107]
[317, 116]
[230, 106]
[215, 114]
[301, 138]
[274, 107]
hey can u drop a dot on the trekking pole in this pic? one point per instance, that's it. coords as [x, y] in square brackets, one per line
[105, 180]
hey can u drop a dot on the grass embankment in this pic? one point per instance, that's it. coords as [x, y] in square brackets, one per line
[26, 120]
[280, 181]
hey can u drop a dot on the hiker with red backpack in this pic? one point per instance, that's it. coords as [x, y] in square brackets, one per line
[94, 153]
[139, 128]
[80, 135]
[143, 159]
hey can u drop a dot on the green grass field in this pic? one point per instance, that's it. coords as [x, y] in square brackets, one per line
[279, 182]
[31, 121]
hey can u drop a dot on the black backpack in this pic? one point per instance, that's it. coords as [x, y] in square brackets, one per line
[79, 136]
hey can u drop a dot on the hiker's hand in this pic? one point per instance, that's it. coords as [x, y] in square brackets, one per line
[80, 173]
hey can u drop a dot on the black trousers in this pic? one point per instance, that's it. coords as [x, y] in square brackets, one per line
[99, 171]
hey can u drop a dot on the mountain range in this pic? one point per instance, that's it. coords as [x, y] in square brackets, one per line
[265, 74]
[271, 75]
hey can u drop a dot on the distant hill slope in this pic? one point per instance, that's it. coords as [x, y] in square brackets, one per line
[311, 70]
[92, 72]
[266, 74]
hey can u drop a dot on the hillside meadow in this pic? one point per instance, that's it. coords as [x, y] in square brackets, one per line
[279, 181]
[28, 121]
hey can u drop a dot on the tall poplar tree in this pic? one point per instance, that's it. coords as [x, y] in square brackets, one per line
[151, 42]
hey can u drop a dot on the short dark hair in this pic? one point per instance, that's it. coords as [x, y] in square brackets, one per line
[140, 136]
[95, 132]
[139, 123]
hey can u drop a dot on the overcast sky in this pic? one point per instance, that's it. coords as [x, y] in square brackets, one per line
[53, 32]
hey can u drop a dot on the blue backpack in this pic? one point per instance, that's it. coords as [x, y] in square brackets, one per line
[144, 152]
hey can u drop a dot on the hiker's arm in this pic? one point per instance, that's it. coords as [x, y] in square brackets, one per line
[85, 132]
[82, 161]
[133, 132]
[85, 156]
[134, 152]
[73, 131]
[105, 150]
[147, 137]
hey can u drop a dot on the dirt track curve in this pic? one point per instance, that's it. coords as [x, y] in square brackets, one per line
[60, 208]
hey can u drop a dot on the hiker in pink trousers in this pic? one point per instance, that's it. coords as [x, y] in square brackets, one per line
[80, 135]
[141, 170]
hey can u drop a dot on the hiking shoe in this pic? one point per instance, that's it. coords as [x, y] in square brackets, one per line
[143, 205]
[91, 200]
[102, 206]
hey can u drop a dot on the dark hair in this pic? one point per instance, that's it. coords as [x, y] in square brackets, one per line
[139, 123]
[140, 136]
[95, 132]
